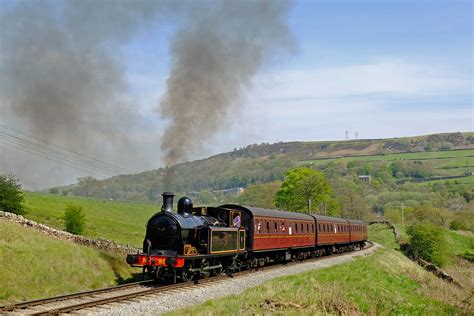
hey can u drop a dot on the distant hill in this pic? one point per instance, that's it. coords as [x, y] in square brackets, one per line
[256, 163]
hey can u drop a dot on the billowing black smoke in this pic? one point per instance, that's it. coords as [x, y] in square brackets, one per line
[215, 55]
[62, 73]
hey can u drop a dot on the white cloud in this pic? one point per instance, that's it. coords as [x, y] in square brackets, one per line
[386, 98]
[380, 77]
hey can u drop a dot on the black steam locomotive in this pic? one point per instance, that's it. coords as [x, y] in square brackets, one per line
[198, 242]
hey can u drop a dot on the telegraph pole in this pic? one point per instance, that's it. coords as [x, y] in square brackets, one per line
[403, 215]
[309, 205]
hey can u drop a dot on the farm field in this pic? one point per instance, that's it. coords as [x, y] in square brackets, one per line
[366, 286]
[460, 181]
[445, 163]
[121, 222]
[36, 266]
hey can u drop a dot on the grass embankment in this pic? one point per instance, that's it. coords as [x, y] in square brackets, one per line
[121, 222]
[384, 283]
[33, 265]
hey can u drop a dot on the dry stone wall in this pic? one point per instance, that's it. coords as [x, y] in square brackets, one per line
[102, 244]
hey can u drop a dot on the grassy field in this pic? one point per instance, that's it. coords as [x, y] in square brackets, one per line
[36, 266]
[118, 221]
[461, 181]
[385, 283]
[445, 163]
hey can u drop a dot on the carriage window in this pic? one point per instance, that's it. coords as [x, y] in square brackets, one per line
[268, 227]
[296, 227]
[275, 224]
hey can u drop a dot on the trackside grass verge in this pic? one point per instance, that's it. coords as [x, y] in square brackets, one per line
[384, 283]
[121, 222]
[34, 266]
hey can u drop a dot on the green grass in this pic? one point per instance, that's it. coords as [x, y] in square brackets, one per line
[445, 163]
[384, 283]
[33, 265]
[440, 157]
[118, 221]
[460, 181]
[382, 235]
[460, 245]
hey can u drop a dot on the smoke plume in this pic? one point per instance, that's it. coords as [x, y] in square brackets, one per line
[215, 55]
[62, 74]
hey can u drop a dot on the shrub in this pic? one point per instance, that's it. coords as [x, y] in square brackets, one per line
[457, 225]
[428, 242]
[11, 196]
[74, 219]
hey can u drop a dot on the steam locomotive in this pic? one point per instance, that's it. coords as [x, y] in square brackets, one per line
[198, 242]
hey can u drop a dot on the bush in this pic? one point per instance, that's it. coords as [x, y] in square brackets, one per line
[74, 219]
[457, 225]
[428, 242]
[11, 196]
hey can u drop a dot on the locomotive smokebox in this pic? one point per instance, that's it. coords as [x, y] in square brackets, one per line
[167, 202]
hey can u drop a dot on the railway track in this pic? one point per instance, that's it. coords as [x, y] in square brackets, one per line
[124, 293]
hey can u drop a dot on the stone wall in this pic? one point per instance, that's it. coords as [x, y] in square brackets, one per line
[102, 244]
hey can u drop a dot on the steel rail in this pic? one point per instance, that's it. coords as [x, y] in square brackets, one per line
[146, 292]
[27, 304]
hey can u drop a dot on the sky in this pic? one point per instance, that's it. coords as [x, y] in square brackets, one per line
[376, 68]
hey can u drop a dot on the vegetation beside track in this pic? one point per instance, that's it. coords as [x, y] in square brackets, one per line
[36, 266]
[384, 283]
[121, 222]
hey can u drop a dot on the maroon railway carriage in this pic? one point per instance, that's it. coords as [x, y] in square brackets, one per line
[275, 229]
[331, 231]
[358, 231]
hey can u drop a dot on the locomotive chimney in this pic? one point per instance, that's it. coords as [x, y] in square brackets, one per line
[167, 202]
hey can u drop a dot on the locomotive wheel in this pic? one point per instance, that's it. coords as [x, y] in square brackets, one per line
[159, 274]
[187, 276]
[205, 264]
[217, 271]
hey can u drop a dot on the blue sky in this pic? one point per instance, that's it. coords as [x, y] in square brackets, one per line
[379, 68]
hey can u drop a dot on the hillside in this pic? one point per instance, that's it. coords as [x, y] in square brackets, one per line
[36, 266]
[384, 283]
[121, 222]
[267, 162]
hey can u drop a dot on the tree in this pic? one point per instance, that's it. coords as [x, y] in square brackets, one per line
[11, 196]
[351, 199]
[261, 195]
[206, 198]
[301, 185]
[74, 219]
[428, 242]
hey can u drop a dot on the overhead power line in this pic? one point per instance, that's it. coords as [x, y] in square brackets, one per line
[40, 147]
